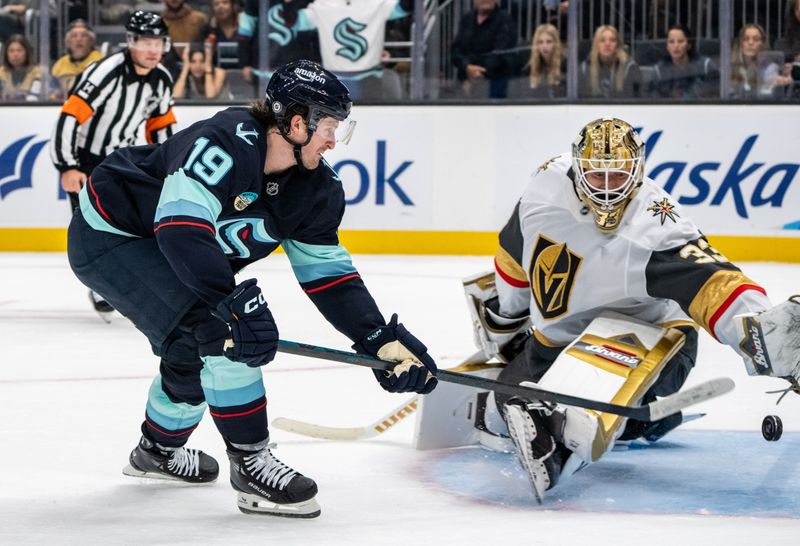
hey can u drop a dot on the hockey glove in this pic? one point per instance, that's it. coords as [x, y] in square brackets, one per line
[416, 369]
[253, 330]
[494, 334]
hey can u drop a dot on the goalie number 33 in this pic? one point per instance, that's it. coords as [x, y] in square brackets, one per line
[700, 252]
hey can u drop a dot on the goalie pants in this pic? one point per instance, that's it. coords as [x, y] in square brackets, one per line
[134, 276]
[535, 359]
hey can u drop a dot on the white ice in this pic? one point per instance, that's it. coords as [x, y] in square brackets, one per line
[73, 391]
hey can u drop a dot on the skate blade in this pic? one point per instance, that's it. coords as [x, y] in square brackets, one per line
[520, 424]
[252, 504]
[136, 473]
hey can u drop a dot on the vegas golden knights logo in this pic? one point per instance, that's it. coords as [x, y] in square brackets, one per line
[552, 272]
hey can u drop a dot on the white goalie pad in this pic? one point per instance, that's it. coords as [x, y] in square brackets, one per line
[489, 338]
[615, 359]
[455, 415]
[770, 341]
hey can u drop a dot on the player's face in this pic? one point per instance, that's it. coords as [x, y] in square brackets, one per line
[16, 55]
[544, 45]
[616, 179]
[146, 51]
[323, 139]
[751, 42]
[677, 45]
[607, 46]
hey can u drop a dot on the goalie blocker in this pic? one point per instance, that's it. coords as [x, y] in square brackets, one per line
[616, 359]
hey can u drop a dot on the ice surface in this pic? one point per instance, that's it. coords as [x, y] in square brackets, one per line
[73, 391]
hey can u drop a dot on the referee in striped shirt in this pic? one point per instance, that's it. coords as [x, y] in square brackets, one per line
[108, 104]
[111, 100]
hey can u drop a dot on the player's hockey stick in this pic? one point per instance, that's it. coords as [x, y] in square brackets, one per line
[368, 431]
[649, 412]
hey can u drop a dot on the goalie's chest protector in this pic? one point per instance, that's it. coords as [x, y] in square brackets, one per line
[576, 271]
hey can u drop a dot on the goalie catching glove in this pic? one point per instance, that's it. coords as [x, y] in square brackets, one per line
[253, 330]
[494, 334]
[770, 342]
[415, 371]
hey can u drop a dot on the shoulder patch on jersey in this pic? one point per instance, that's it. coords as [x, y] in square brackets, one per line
[244, 200]
[543, 166]
[664, 209]
[242, 132]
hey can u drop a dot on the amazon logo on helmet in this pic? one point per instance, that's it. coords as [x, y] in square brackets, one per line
[309, 75]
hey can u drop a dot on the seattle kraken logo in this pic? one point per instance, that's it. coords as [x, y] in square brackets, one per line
[280, 34]
[346, 33]
[16, 167]
[232, 234]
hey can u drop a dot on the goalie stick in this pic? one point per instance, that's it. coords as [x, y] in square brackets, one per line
[377, 427]
[649, 412]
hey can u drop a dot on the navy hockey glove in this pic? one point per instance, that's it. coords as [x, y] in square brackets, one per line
[415, 371]
[253, 330]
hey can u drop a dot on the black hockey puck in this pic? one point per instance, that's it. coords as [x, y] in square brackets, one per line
[771, 428]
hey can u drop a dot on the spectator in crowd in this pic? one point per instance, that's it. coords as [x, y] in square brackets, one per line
[20, 77]
[224, 27]
[482, 52]
[753, 75]
[790, 41]
[609, 72]
[12, 14]
[683, 73]
[545, 69]
[79, 41]
[199, 78]
[286, 43]
[185, 24]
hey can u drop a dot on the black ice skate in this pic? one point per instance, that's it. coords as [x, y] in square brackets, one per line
[100, 305]
[536, 448]
[267, 486]
[150, 460]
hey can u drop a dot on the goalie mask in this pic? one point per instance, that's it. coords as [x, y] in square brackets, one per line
[608, 160]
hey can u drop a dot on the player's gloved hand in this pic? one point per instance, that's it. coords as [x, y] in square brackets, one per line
[416, 369]
[253, 330]
[771, 342]
[494, 334]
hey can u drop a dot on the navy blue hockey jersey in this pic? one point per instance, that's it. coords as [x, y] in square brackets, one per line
[203, 195]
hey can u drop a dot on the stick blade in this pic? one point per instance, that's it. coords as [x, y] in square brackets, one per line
[689, 397]
[344, 434]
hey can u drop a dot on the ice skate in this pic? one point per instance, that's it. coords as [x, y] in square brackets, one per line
[535, 447]
[100, 305]
[151, 460]
[267, 486]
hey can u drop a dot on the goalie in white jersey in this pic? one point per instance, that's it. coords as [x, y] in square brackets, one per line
[591, 234]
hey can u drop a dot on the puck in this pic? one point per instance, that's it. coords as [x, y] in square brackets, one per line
[771, 428]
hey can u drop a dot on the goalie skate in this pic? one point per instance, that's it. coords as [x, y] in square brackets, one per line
[267, 486]
[535, 447]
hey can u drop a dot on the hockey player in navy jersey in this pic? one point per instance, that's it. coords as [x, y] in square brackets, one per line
[161, 232]
[591, 245]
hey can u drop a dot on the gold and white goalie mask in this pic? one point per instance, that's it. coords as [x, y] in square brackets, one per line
[608, 160]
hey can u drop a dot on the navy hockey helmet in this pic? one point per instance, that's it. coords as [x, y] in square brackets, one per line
[147, 24]
[306, 84]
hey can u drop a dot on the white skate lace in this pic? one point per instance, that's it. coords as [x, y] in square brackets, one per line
[267, 469]
[184, 462]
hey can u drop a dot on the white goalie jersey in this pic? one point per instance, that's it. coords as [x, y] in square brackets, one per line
[656, 267]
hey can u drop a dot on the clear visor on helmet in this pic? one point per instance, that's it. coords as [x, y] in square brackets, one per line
[158, 44]
[607, 182]
[338, 131]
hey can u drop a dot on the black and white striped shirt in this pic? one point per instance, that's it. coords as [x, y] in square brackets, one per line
[105, 109]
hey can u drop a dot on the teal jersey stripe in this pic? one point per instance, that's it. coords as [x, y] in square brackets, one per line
[169, 415]
[179, 187]
[247, 24]
[184, 208]
[312, 272]
[303, 22]
[398, 12]
[222, 374]
[235, 397]
[93, 217]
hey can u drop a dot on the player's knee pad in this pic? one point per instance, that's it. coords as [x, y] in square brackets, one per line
[617, 360]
